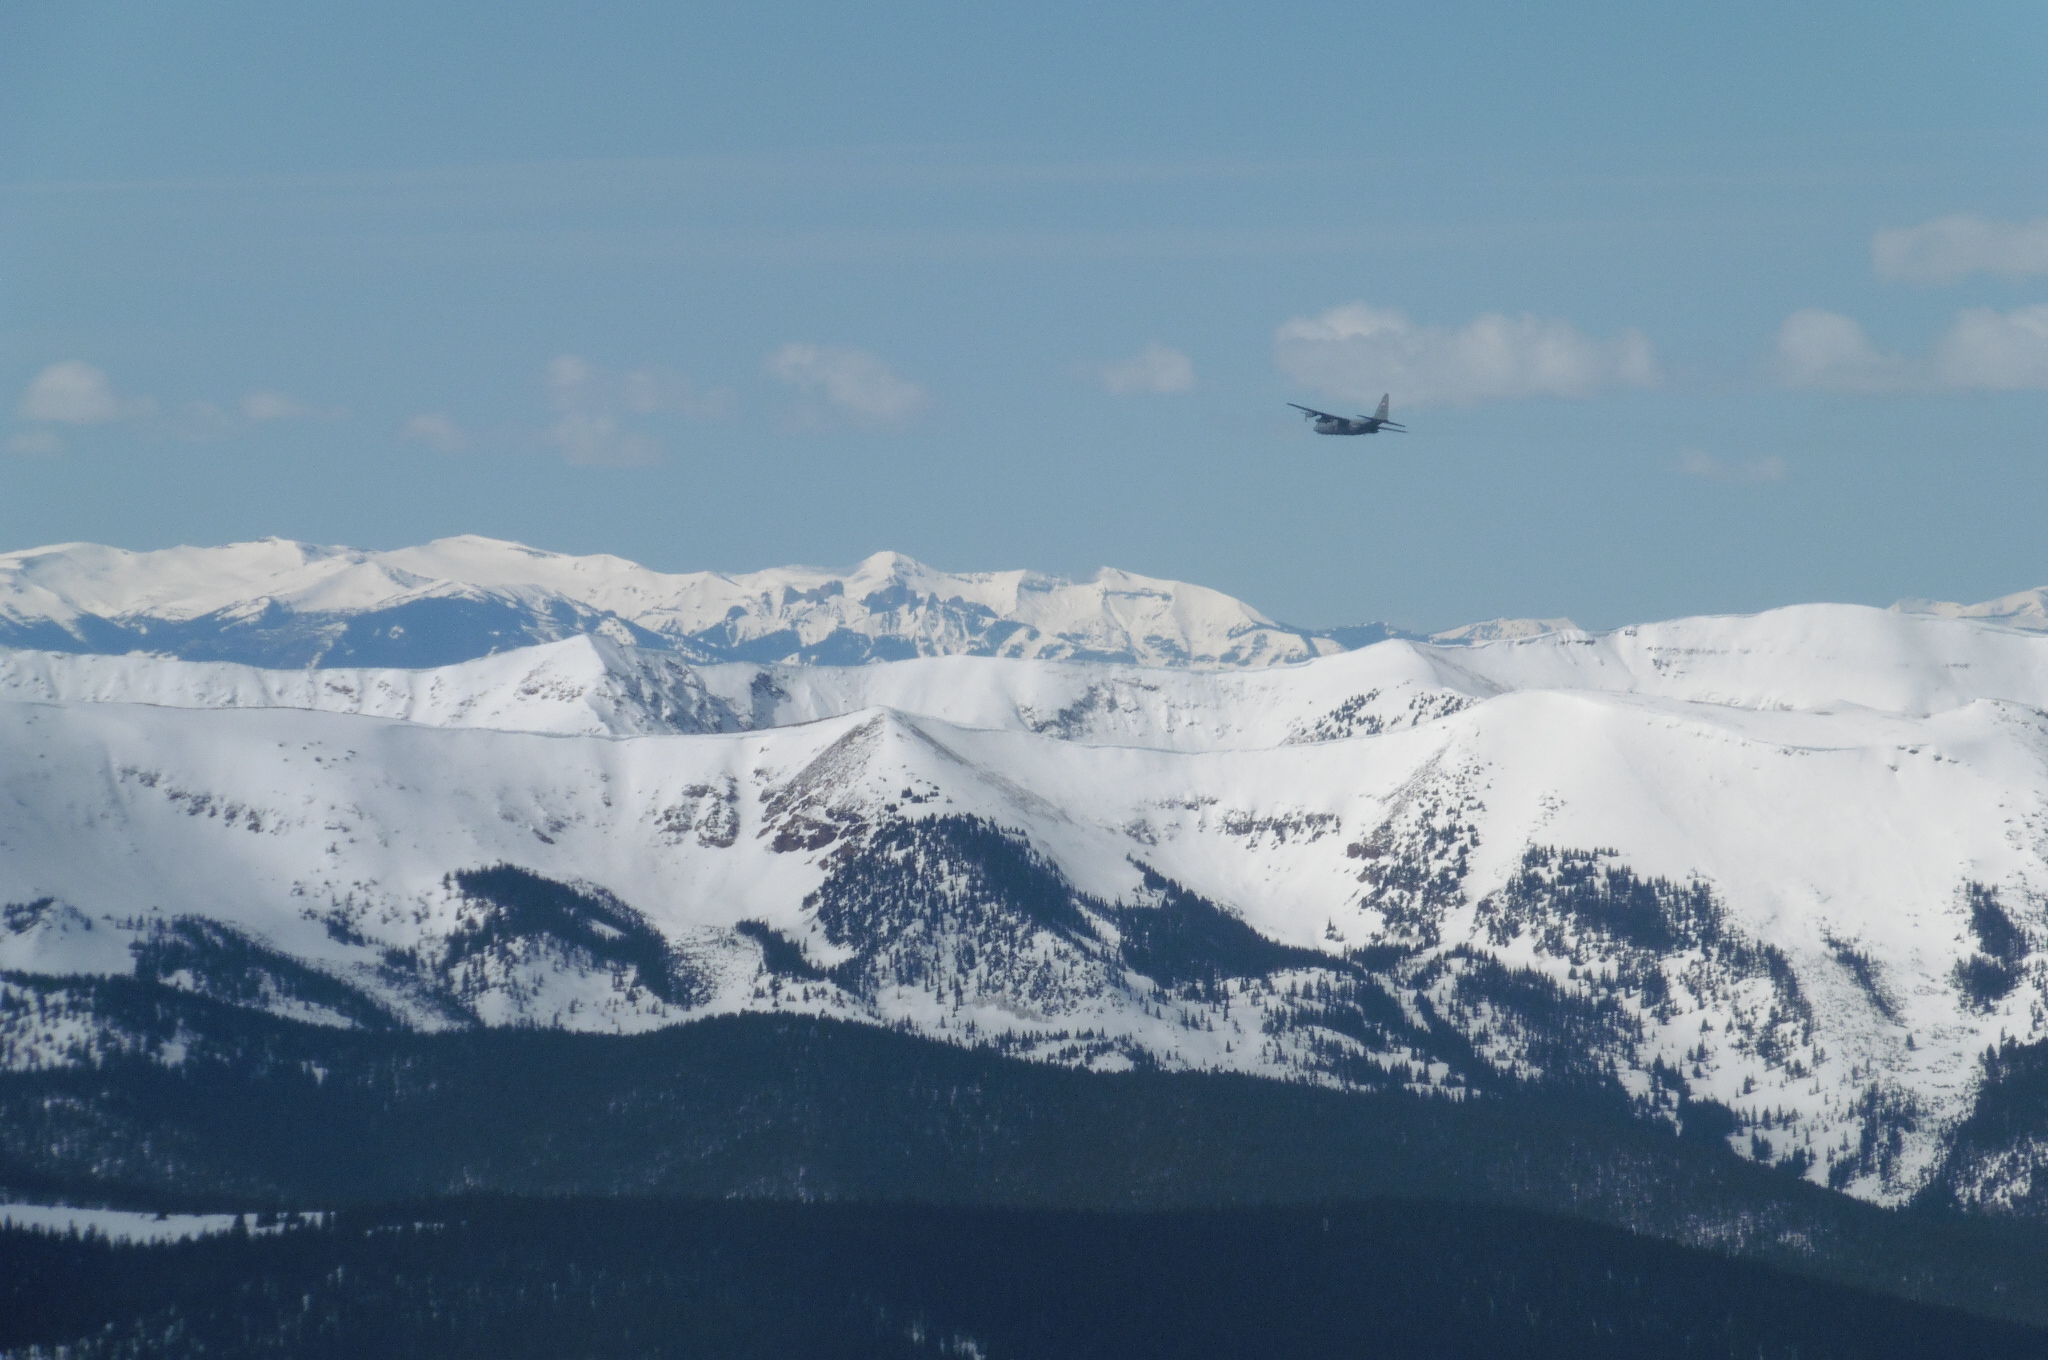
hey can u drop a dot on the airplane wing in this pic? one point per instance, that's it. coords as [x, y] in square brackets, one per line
[1312, 411]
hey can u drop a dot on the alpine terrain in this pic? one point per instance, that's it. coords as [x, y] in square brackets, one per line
[1777, 883]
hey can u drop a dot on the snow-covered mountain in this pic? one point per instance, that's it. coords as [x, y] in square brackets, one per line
[2025, 609]
[285, 604]
[1809, 657]
[1782, 878]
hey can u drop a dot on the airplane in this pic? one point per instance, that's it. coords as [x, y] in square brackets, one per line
[1329, 424]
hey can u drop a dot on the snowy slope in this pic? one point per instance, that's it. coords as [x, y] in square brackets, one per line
[591, 685]
[584, 684]
[283, 603]
[1802, 658]
[1794, 864]
[1838, 848]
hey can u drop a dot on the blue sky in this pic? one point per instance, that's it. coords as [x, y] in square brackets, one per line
[1688, 311]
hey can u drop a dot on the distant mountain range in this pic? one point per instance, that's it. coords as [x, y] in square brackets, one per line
[283, 604]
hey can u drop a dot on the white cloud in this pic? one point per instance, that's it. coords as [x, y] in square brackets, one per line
[35, 444]
[437, 430]
[589, 403]
[852, 381]
[1832, 353]
[576, 384]
[1982, 350]
[1154, 368]
[2005, 352]
[589, 439]
[1707, 467]
[1357, 352]
[75, 393]
[650, 390]
[595, 409]
[1951, 248]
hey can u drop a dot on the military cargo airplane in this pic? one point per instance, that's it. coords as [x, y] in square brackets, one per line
[1329, 424]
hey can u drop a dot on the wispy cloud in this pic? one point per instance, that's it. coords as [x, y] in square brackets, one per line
[437, 430]
[204, 421]
[588, 439]
[1706, 467]
[589, 431]
[575, 382]
[595, 410]
[1154, 369]
[1948, 249]
[848, 382]
[1356, 352]
[76, 393]
[1982, 350]
[259, 407]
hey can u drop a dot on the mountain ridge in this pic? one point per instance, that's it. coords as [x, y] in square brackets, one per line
[278, 602]
[281, 603]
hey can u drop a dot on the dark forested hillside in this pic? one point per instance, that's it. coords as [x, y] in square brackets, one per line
[266, 1113]
[644, 1278]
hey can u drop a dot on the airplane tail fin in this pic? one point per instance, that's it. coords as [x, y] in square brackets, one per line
[1381, 414]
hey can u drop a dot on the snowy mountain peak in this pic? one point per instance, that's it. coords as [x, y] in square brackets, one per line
[279, 603]
[1503, 630]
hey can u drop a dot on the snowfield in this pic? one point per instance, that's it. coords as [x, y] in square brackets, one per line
[1788, 871]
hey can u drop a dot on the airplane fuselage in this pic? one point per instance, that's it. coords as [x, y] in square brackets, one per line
[1328, 422]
